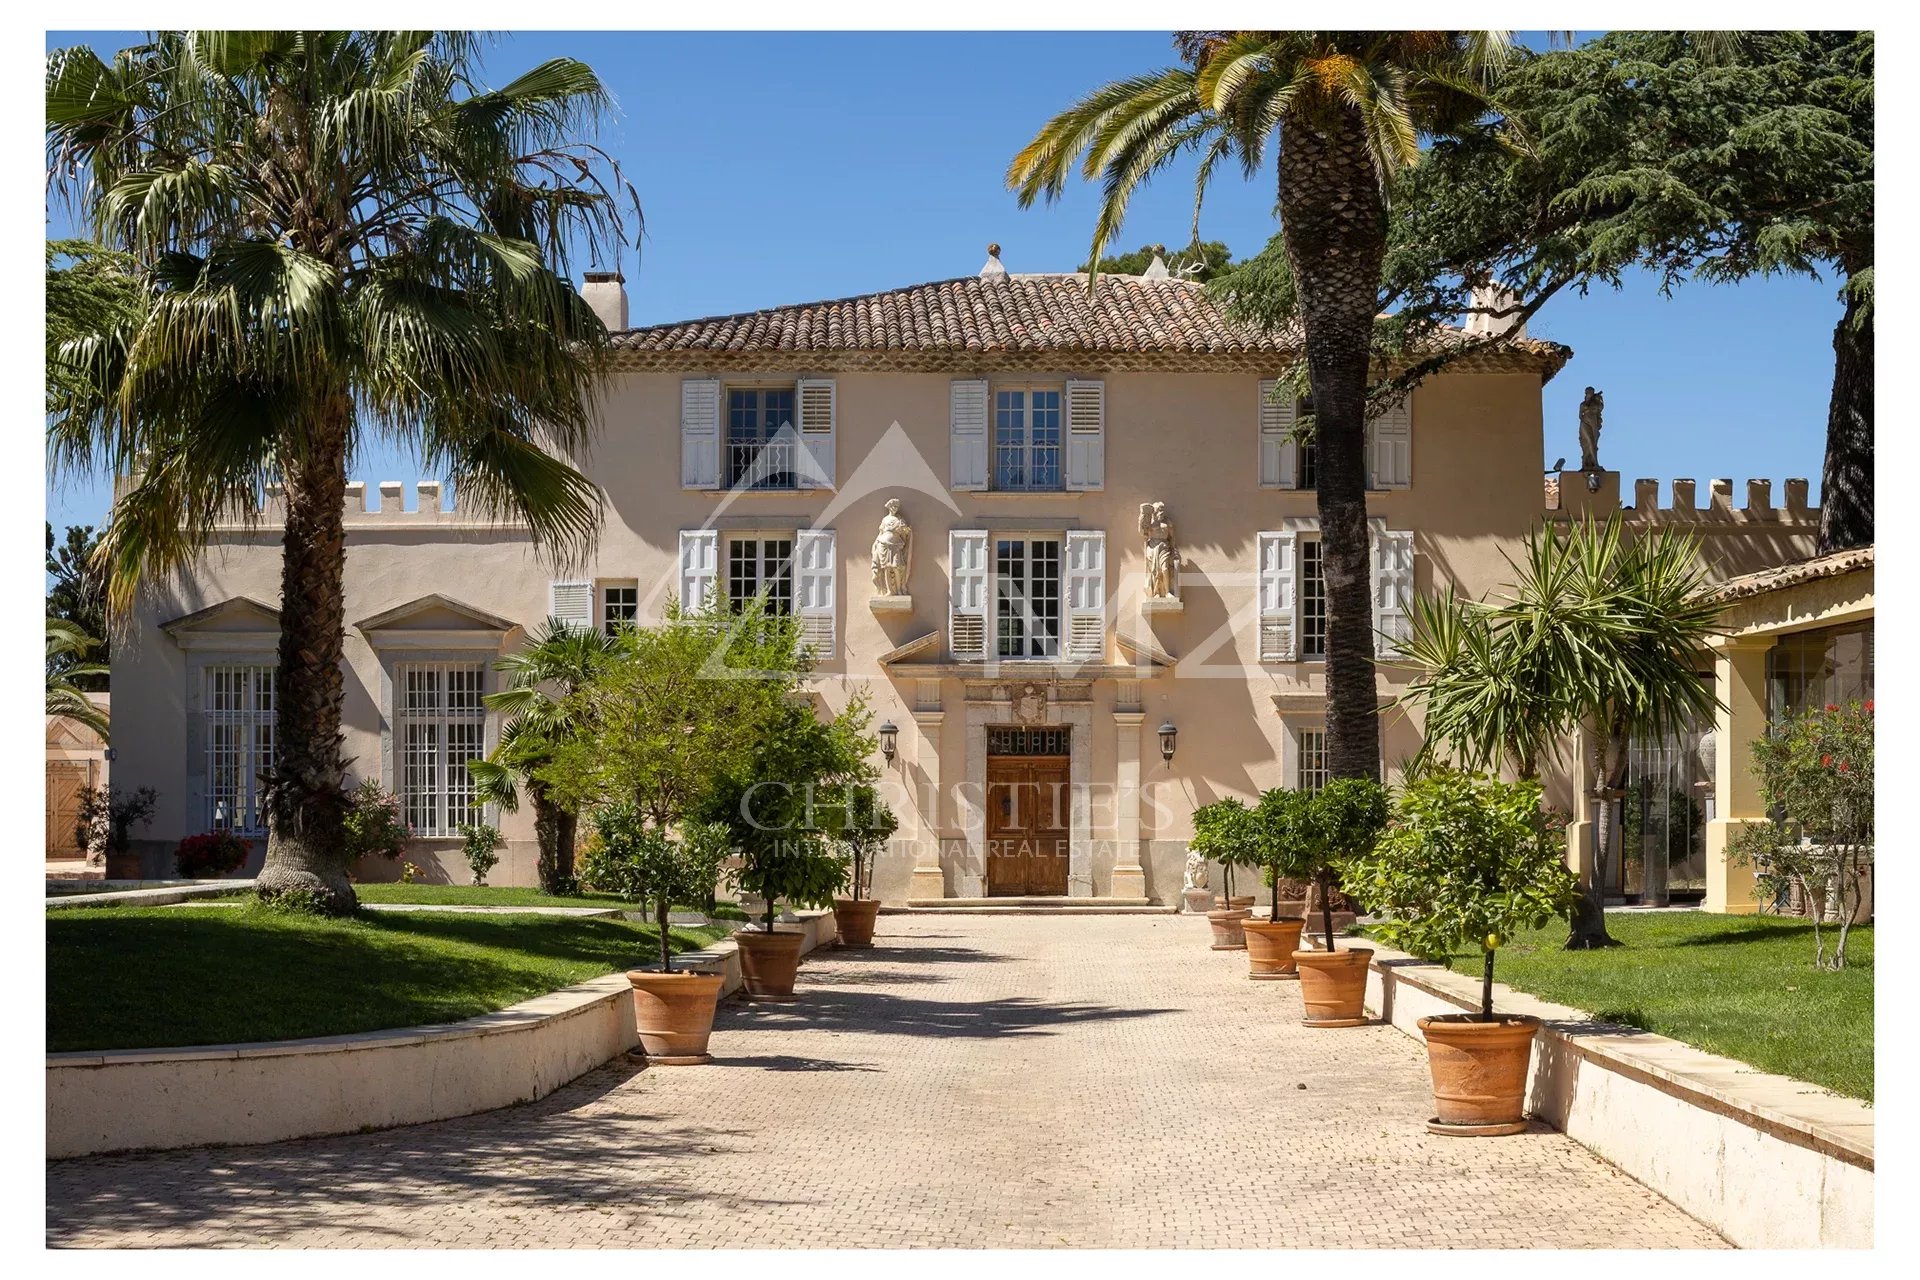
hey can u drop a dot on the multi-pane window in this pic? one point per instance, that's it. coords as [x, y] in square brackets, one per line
[238, 705]
[760, 438]
[1026, 438]
[1812, 668]
[619, 607]
[756, 565]
[1313, 760]
[1026, 576]
[1313, 600]
[440, 724]
[1308, 467]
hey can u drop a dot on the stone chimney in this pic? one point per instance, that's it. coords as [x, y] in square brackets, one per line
[1157, 269]
[606, 293]
[993, 270]
[1494, 297]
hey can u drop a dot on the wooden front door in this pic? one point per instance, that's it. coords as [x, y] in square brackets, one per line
[1029, 807]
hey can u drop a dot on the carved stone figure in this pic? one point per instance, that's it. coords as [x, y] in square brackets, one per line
[1030, 704]
[892, 552]
[1591, 407]
[1196, 869]
[1163, 561]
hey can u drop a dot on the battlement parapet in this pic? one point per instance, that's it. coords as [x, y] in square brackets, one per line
[434, 506]
[1570, 493]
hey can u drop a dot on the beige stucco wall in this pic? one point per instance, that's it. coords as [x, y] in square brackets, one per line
[1188, 440]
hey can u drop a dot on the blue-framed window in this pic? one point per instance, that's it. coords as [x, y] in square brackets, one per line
[760, 438]
[1026, 438]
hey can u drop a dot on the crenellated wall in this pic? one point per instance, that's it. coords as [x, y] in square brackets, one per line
[434, 507]
[1733, 540]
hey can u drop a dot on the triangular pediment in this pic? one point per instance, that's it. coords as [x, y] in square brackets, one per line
[435, 613]
[241, 613]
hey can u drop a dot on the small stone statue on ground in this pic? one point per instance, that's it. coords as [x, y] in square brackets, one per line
[1196, 869]
[892, 552]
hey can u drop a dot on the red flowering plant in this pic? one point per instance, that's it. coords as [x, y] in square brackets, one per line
[1816, 777]
[373, 823]
[216, 853]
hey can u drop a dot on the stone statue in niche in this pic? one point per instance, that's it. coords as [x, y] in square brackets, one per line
[892, 552]
[1592, 405]
[1163, 562]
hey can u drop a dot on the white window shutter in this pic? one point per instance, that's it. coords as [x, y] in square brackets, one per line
[1279, 454]
[969, 433]
[571, 603]
[818, 412]
[813, 589]
[1390, 447]
[967, 585]
[1278, 599]
[1086, 434]
[700, 433]
[1392, 591]
[1086, 595]
[699, 566]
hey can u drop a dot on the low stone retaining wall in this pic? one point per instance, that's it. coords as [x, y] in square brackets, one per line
[160, 895]
[1767, 1161]
[154, 1099]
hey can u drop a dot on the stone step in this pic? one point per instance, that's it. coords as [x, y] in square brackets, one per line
[1032, 906]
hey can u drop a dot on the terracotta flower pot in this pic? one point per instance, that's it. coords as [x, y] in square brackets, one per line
[123, 866]
[854, 920]
[1227, 932]
[1479, 1072]
[1238, 901]
[1333, 986]
[674, 1014]
[1313, 937]
[768, 963]
[1270, 948]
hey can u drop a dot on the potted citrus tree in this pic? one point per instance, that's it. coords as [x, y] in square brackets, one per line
[1340, 822]
[861, 828]
[1469, 861]
[1282, 837]
[640, 860]
[1225, 831]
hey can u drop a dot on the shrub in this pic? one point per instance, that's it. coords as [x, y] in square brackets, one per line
[1284, 835]
[1225, 831]
[859, 823]
[216, 853]
[480, 845]
[373, 823]
[643, 862]
[1345, 818]
[1466, 859]
[105, 822]
[1816, 777]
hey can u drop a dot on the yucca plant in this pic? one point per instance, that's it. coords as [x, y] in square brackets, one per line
[1596, 635]
[343, 236]
[1344, 112]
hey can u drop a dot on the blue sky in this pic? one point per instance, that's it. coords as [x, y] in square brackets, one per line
[780, 168]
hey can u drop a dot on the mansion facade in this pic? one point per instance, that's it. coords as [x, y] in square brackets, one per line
[1061, 701]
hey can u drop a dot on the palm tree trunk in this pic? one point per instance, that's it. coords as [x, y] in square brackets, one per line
[1846, 479]
[306, 794]
[1333, 219]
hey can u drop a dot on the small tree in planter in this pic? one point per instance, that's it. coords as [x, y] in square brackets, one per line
[1816, 775]
[1341, 821]
[645, 862]
[860, 827]
[105, 823]
[1469, 860]
[1225, 831]
[480, 843]
[1283, 835]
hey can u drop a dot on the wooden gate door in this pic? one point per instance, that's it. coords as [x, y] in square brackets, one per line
[1028, 824]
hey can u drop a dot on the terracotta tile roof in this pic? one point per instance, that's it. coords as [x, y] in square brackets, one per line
[1124, 315]
[1831, 565]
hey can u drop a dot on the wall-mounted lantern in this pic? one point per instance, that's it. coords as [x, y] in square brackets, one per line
[889, 739]
[1167, 735]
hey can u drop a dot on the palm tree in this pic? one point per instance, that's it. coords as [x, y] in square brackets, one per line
[1597, 636]
[66, 646]
[542, 714]
[342, 237]
[1347, 110]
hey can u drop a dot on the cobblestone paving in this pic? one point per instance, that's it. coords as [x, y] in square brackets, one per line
[996, 1081]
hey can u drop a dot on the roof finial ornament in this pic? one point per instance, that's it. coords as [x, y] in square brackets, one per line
[1157, 269]
[993, 270]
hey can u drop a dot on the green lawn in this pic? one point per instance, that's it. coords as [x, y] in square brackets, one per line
[1742, 986]
[148, 977]
[491, 896]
